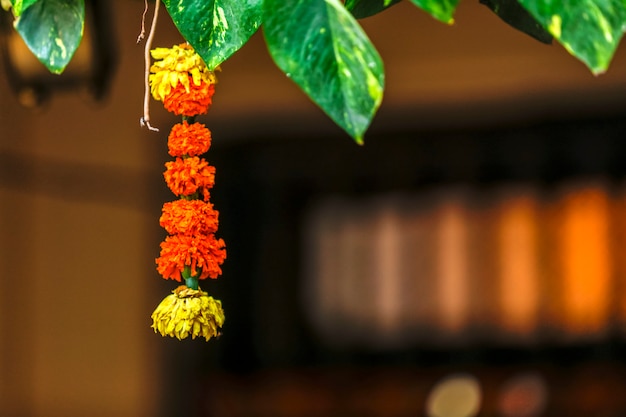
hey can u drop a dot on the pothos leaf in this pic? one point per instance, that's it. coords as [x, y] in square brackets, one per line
[442, 10]
[511, 12]
[52, 30]
[20, 5]
[216, 28]
[365, 8]
[323, 49]
[589, 29]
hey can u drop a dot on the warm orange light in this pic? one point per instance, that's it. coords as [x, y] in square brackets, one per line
[518, 263]
[585, 260]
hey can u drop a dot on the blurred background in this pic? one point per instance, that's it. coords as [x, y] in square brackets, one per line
[467, 261]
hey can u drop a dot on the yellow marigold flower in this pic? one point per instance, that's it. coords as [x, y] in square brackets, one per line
[188, 312]
[179, 64]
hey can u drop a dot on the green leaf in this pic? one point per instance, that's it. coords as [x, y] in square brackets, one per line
[20, 5]
[323, 49]
[442, 10]
[52, 30]
[216, 28]
[365, 8]
[511, 12]
[589, 29]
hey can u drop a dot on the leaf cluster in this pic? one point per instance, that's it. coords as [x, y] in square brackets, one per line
[320, 45]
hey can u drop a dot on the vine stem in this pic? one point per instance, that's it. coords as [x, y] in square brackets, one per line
[145, 119]
[142, 33]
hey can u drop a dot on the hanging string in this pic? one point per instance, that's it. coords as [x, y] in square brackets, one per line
[145, 119]
[142, 34]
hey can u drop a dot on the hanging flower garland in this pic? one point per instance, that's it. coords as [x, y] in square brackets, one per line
[191, 252]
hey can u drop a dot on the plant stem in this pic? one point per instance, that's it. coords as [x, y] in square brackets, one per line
[145, 119]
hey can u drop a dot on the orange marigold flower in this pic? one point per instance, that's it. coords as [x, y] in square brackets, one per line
[188, 139]
[189, 217]
[203, 254]
[187, 176]
[190, 101]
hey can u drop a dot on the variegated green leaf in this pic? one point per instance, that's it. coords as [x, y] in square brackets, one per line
[19, 6]
[442, 10]
[365, 8]
[320, 46]
[52, 30]
[589, 29]
[216, 28]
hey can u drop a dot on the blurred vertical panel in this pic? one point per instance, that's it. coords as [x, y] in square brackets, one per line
[420, 230]
[517, 258]
[452, 263]
[388, 269]
[357, 282]
[584, 257]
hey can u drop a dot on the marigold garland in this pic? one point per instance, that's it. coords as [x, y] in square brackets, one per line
[190, 252]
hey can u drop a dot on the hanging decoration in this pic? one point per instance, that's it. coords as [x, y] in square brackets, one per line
[191, 252]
